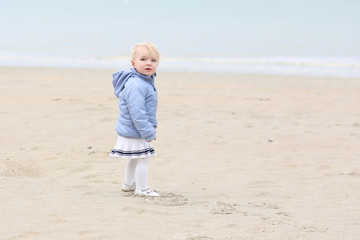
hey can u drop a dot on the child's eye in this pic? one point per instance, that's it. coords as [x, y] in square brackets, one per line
[142, 59]
[154, 60]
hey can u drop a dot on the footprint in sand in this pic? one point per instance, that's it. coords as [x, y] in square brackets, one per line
[221, 208]
[217, 208]
[14, 169]
[264, 205]
[165, 199]
[313, 229]
[168, 199]
[199, 238]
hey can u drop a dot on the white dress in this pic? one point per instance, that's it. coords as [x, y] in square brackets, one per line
[132, 148]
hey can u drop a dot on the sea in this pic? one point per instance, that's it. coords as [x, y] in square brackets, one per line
[298, 37]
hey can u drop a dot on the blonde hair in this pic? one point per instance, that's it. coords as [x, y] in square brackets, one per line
[150, 47]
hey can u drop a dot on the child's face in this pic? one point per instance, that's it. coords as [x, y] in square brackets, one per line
[145, 62]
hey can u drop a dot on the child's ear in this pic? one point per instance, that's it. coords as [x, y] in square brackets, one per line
[133, 63]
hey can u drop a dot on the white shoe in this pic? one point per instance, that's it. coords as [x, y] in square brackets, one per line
[128, 188]
[147, 192]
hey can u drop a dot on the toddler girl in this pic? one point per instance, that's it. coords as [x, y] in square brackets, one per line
[136, 125]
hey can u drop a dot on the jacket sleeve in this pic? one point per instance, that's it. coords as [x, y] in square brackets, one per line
[135, 95]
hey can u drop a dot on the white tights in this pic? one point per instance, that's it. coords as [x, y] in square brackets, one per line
[137, 170]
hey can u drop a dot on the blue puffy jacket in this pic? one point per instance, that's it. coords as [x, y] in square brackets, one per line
[138, 104]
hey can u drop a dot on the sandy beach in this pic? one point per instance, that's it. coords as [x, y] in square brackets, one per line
[238, 157]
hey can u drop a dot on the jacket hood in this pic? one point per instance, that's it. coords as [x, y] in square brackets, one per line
[121, 77]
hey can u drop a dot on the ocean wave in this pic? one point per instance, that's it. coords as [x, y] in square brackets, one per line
[337, 67]
[288, 61]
